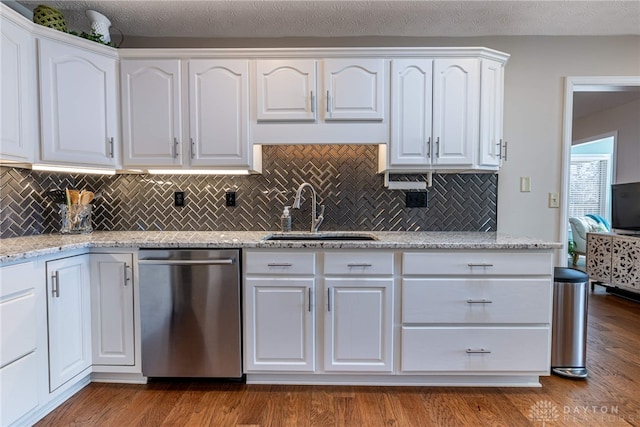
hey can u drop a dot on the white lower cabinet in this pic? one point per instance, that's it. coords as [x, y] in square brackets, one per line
[358, 325]
[279, 324]
[18, 339]
[69, 320]
[112, 320]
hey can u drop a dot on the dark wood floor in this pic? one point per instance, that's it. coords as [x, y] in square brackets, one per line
[609, 397]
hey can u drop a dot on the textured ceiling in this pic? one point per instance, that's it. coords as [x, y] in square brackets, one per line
[426, 18]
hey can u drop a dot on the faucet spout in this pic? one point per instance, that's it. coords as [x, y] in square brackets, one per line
[315, 221]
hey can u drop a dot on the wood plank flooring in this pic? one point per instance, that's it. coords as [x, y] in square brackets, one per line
[609, 397]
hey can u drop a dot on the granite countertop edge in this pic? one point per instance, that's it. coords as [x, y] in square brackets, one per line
[19, 248]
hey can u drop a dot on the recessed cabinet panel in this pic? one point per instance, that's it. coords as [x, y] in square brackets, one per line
[286, 90]
[17, 108]
[78, 105]
[218, 112]
[456, 99]
[354, 89]
[411, 110]
[151, 112]
[491, 104]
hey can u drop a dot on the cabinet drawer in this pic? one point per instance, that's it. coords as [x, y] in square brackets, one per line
[487, 350]
[17, 327]
[476, 300]
[477, 263]
[279, 263]
[16, 278]
[358, 263]
[19, 391]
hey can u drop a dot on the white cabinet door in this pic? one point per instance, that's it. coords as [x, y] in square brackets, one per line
[491, 104]
[219, 112]
[358, 325]
[279, 325]
[68, 307]
[17, 93]
[354, 89]
[112, 309]
[456, 103]
[151, 112]
[286, 90]
[78, 105]
[411, 109]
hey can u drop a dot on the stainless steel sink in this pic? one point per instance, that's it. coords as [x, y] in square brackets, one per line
[328, 236]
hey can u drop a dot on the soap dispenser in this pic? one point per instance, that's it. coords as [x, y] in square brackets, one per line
[285, 220]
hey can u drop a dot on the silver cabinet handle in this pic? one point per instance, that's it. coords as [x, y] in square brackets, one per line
[505, 151]
[175, 148]
[224, 261]
[472, 265]
[499, 144]
[437, 147]
[309, 290]
[479, 301]
[193, 148]
[313, 102]
[127, 277]
[55, 285]
[429, 147]
[359, 265]
[478, 351]
[279, 264]
[111, 147]
[329, 299]
[328, 101]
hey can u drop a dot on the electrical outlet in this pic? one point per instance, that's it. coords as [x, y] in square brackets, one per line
[178, 199]
[554, 200]
[230, 198]
[416, 199]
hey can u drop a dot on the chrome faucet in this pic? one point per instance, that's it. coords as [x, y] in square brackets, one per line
[315, 221]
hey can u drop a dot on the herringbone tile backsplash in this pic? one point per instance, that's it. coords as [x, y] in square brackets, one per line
[344, 177]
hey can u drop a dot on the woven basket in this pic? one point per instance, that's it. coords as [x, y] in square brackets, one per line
[49, 17]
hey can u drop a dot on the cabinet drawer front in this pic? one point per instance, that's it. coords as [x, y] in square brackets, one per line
[475, 349]
[16, 278]
[476, 300]
[17, 327]
[279, 263]
[358, 263]
[477, 263]
[19, 391]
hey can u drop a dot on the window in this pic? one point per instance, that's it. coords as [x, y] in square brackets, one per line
[590, 185]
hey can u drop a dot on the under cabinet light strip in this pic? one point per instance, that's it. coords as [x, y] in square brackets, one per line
[199, 171]
[67, 169]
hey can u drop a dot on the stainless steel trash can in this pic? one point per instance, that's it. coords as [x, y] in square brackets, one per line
[569, 332]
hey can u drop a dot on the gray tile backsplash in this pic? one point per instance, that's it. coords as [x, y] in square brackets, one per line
[344, 177]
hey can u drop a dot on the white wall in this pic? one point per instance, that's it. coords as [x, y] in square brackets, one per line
[534, 91]
[625, 119]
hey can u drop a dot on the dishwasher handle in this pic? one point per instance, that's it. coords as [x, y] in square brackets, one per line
[223, 261]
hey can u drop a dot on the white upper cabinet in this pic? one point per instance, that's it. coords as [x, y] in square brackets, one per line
[151, 112]
[411, 109]
[18, 131]
[354, 89]
[286, 90]
[219, 112]
[491, 112]
[78, 105]
[456, 104]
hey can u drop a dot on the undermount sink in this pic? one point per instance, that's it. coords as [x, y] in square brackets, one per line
[349, 236]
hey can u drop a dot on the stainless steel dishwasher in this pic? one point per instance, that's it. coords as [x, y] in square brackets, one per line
[190, 313]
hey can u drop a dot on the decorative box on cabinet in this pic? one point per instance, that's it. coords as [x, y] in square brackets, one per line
[78, 93]
[153, 110]
[614, 260]
[18, 325]
[19, 119]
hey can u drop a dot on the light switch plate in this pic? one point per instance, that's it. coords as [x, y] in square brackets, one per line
[554, 200]
[525, 184]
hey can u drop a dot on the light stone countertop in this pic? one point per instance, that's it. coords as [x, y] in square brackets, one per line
[14, 249]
